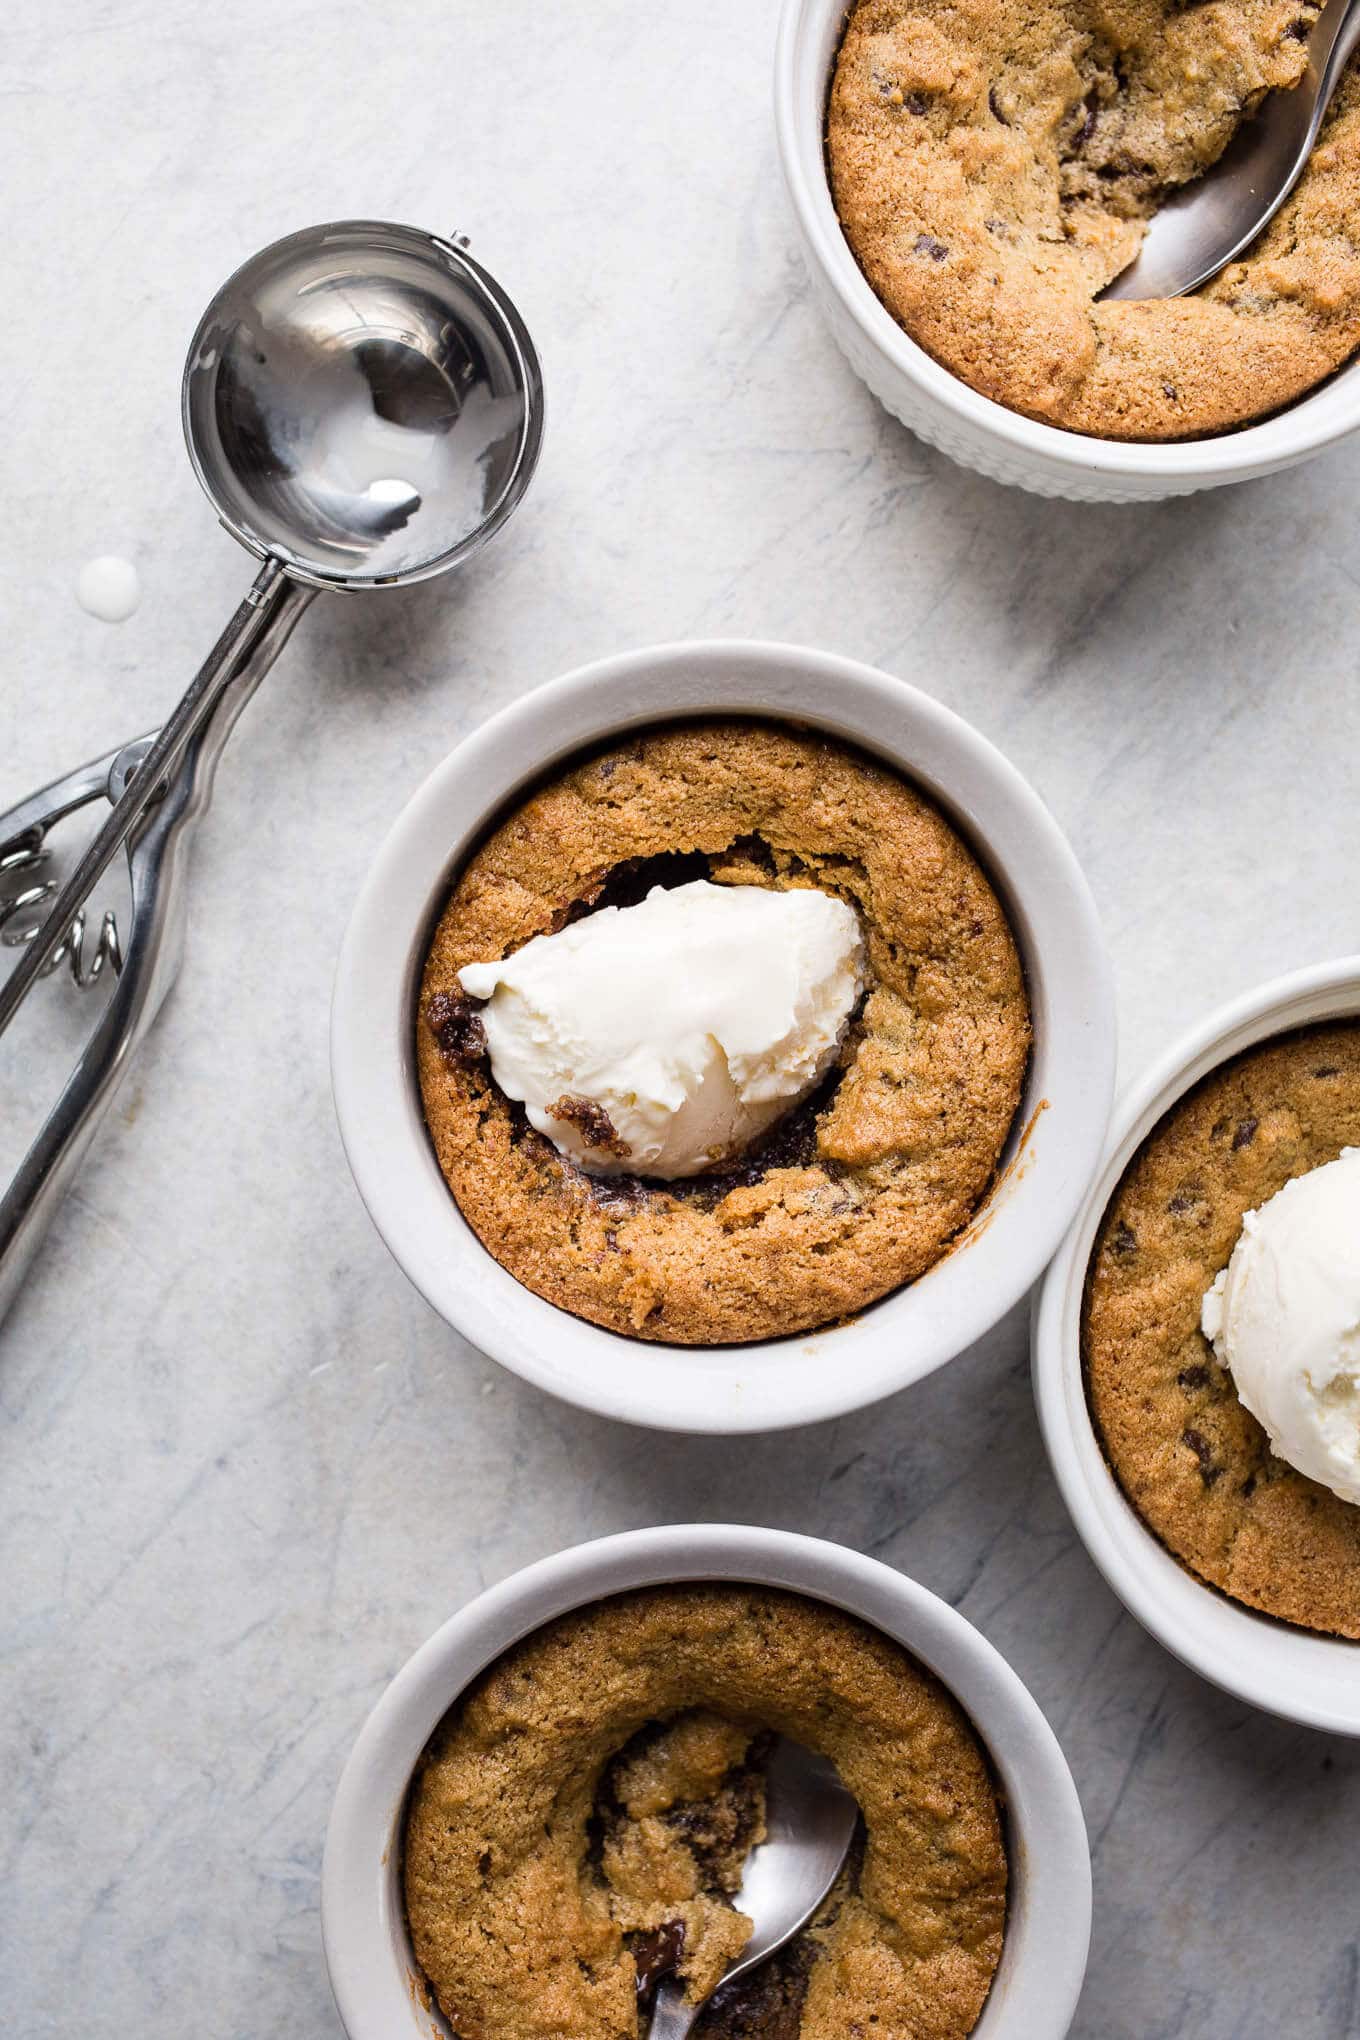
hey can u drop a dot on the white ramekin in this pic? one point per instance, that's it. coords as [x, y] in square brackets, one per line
[774, 1383]
[1305, 1677]
[372, 1969]
[971, 428]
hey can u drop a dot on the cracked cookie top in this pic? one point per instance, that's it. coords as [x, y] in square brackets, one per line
[1191, 1458]
[993, 165]
[860, 1189]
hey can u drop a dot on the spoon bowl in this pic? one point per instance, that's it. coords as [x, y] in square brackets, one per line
[363, 404]
[810, 1822]
[1208, 223]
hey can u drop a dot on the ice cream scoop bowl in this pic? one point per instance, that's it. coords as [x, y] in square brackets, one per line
[364, 408]
[362, 405]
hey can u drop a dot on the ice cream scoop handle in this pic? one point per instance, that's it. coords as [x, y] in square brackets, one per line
[157, 870]
[273, 601]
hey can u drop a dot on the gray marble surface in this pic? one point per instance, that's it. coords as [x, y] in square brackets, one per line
[245, 1470]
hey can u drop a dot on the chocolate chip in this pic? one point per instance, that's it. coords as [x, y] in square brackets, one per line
[1193, 1377]
[1203, 1451]
[1088, 125]
[592, 1122]
[657, 1954]
[453, 1021]
[1170, 392]
[1183, 1201]
[1299, 31]
[1245, 1134]
[915, 102]
[926, 244]
[995, 105]
[1123, 1240]
[1327, 1070]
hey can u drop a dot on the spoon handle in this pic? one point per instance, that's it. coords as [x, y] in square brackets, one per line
[1330, 48]
[672, 2012]
[1332, 44]
[260, 626]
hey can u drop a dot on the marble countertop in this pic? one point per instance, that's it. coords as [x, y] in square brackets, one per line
[245, 1470]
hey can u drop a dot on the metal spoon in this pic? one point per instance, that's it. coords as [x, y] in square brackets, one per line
[364, 408]
[1204, 225]
[811, 1820]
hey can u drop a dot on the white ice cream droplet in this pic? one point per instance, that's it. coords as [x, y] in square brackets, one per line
[108, 588]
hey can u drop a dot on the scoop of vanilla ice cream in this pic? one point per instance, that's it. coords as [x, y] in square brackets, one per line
[676, 1031]
[1284, 1318]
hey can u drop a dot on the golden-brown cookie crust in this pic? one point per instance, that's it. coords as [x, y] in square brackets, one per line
[992, 166]
[904, 1151]
[511, 1915]
[1194, 1463]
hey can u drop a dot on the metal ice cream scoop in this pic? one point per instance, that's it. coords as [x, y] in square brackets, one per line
[364, 408]
[810, 1820]
[1204, 225]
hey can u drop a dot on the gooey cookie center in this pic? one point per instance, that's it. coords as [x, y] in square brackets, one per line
[662, 1039]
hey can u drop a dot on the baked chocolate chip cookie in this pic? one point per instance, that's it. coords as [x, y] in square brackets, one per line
[580, 1821]
[1192, 1460]
[993, 167]
[861, 1188]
